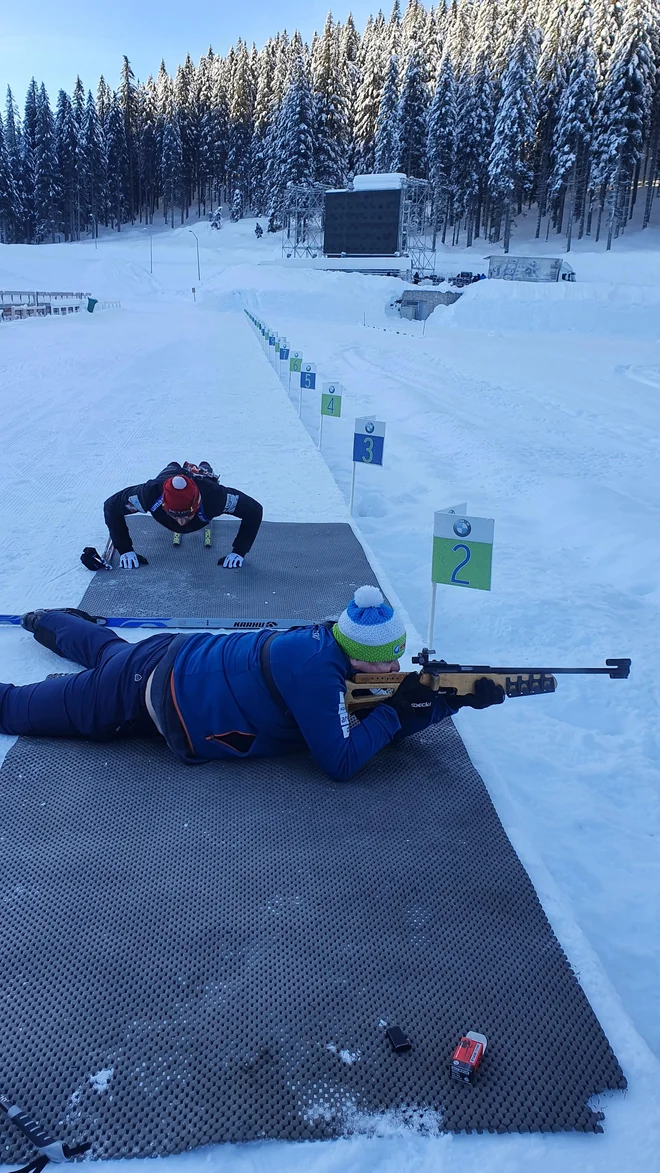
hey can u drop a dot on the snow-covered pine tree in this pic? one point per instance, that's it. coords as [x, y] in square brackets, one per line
[295, 146]
[441, 146]
[372, 81]
[607, 15]
[103, 101]
[474, 132]
[128, 102]
[511, 154]
[411, 113]
[46, 186]
[236, 213]
[117, 163]
[172, 167]
[241, 102]
[68, 181]
[14, 146]
[551, 80]
[652, 161]
[8, 196]
[78, 102]
[29, 162]
[215, 132]
[386, 144]
[349, 76]
[394, 29]
[149, 149]
[331, 136]
[624, 113]
[574, 127]
[93, 177]
[263, 117]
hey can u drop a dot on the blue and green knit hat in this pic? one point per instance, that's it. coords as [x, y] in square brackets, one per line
[369, 629]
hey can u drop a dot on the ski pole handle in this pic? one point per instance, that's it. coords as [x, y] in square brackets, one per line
[32, 1131]
[55, 1150]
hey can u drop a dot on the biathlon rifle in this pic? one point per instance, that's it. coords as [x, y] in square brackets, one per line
[459, 679]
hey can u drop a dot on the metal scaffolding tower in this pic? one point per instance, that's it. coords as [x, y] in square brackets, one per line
[303, 212]
[416, 238]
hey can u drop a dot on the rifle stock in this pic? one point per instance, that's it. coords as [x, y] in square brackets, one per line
[459, 679]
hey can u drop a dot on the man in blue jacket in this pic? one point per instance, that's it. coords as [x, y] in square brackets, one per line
[248, 694]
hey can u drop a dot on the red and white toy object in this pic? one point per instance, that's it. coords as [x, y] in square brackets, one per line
[468, 1055]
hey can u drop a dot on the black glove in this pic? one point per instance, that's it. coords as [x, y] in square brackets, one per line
[92, 560]
[414, 704]
[486, 693]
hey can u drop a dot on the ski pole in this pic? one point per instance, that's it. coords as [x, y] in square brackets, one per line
[53, 1150]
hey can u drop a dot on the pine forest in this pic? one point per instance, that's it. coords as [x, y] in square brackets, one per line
[551, 106]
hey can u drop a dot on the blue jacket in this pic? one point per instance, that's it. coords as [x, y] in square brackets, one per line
[213, 702]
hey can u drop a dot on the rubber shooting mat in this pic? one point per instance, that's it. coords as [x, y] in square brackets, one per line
[295, 572]
[193, 955]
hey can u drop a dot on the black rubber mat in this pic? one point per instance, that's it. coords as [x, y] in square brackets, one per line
[296, 572]
[214, 954]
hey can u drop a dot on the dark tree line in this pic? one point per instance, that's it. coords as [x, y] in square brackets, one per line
[500, 104]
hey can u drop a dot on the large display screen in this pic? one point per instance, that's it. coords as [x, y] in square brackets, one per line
[362, 223]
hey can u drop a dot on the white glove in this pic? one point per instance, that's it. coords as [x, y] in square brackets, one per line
[129, 561]
[233, 561]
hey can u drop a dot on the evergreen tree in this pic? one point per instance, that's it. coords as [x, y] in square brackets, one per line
[372, 81]
[331, 122]
[624, 112]
[78, 102]
[386, 143]
[236, 213]
[8, 196]
[295, 147]
[93, 195]
[149, 147]
[574, 128]
[128, 102]
[117, 164]
[410, 146]
[66, 149]
[474, 132]
[241, 102]
[511, 153]
[172, 165]
[29, 162]
[14, 147]
[441, 146]
[47, 192]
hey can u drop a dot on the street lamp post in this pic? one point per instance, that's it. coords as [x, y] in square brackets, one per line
[199, 275]
[151, 249]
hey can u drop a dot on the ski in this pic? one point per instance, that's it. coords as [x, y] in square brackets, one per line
[186, 622]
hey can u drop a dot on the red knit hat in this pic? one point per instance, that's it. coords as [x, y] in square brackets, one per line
[181, 496]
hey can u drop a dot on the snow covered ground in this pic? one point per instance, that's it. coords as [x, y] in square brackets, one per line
[536, 404]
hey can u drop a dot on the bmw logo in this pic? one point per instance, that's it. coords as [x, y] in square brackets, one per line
[369, 428]
[462, 528]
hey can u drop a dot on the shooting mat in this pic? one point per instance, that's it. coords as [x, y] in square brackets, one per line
[296, 572]
[205, 954]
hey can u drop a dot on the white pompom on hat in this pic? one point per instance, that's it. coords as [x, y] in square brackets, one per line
[369, 629]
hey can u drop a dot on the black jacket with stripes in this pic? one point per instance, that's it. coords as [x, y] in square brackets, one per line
[216, 500]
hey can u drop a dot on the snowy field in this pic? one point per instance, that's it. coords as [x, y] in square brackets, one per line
[536, 404]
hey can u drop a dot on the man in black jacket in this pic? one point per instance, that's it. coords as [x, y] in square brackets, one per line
[183, 498]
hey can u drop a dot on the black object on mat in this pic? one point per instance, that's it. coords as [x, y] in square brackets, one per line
[215, 954]
[296, 571]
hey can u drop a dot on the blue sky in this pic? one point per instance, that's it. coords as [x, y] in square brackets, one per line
[56, 39]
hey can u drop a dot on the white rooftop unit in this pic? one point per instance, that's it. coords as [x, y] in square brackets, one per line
[380, 181]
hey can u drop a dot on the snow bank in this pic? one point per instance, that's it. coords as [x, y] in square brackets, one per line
[602, 309]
